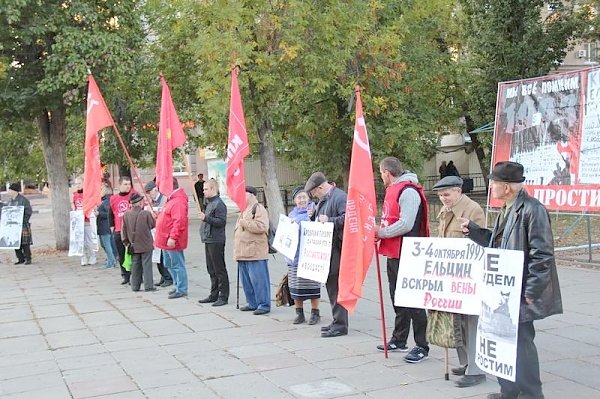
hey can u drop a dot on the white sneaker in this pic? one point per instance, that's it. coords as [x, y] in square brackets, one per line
[92, 261]
[84, 261]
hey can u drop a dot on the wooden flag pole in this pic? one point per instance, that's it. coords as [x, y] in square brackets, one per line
[385, 351]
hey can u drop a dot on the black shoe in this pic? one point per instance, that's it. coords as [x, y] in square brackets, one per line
[220, 302]
[167, 283]
[326, 328]
[247, 309]
[299, 317]
[459, 370]
[125, 281]
[19, 261]
[315, 317]
[28, 262]
[261, 311]
[172, 292]
[470, 380]
[393, 346]
[150, 289]
[159, 283]
[333, 333]
[416, 355]
[207, 300]
[176, 295]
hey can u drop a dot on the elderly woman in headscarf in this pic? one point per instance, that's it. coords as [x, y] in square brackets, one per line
[300, 288]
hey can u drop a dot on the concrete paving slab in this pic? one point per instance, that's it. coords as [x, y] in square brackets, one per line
[54, 392]
[61, 324]
[191, 390]
[256, 387]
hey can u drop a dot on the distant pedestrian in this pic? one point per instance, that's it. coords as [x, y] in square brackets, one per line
[199, 188]
[442, 169]
[451, 169]
[16, 199]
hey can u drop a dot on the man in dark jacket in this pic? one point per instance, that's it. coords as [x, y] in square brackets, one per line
[16, 199]
[103, 223]
[331, 208]
[523, 225]
[212, 233]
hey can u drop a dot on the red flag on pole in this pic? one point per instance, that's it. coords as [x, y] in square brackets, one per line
[361, 208]
[97, 117]
[170, 136]
[237, 146]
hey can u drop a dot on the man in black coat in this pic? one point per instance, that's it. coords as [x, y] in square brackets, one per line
[212, 233]
[524, 225]
[331, 208]
[16, 199]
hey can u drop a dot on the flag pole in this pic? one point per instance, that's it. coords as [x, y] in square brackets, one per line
[385, 351]
[188, 169]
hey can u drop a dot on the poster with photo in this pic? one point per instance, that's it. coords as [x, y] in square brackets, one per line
[551, 126]
[11, 227]
[76, 233]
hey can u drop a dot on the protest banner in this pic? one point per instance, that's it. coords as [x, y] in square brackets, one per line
[315, 250]
[550, 124]
[11, 227]
[500, 293]
[440, 274]
[287, 237]
[76, 233]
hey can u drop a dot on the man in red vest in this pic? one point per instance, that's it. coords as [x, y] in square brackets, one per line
[404, 214]
[119, 204]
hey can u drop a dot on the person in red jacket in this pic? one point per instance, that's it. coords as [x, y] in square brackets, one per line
[172, 238]
[119, 204]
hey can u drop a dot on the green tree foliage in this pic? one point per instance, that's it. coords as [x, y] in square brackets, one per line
[299, 64]
[508, 40]
[46, 49]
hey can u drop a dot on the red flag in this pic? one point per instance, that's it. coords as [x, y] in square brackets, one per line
[358, 242]
[97, 118]
[170, 136]
[237, 147]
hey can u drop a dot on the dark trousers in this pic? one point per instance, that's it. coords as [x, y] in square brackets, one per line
[141, 267]
[121, 251]
[527, 383]
[215, 264]
[24, 252]
[339, 313]
[165, 276]
[405, 315]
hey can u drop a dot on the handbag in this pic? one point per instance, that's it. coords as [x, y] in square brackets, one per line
[283, 295]
[440, 329]
[128, 259]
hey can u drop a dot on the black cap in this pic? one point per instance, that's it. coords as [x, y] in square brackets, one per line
[447, 182]
[315, 180]
[135, 198]
[251, 190]
[149, 186]
[508, 172]
[15, 187]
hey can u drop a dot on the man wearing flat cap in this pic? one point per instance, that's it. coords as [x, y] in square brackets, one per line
[457, 205]
[331, 208]
[524, 225]
[251, 251]
[16, 199]
[136, 234]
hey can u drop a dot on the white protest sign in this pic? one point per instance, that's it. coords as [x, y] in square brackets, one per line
[499, 319]
[156, 251]
[315, 250]
[440, 274]
[11, 227]
[76, 233]
[286, 237]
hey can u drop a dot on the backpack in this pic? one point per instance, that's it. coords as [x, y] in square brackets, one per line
[270, 233]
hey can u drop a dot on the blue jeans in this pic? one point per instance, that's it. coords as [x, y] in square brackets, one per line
[175, 263]
[106, 241]
[256, 283]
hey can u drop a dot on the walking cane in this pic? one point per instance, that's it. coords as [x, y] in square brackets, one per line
[446, 375]
[237, 297]
[385, 351]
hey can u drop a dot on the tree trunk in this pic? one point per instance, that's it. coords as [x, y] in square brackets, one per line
[52, 127]
[478, 148]
[267, 168]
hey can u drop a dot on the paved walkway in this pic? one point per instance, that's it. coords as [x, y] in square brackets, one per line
[68, 331]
